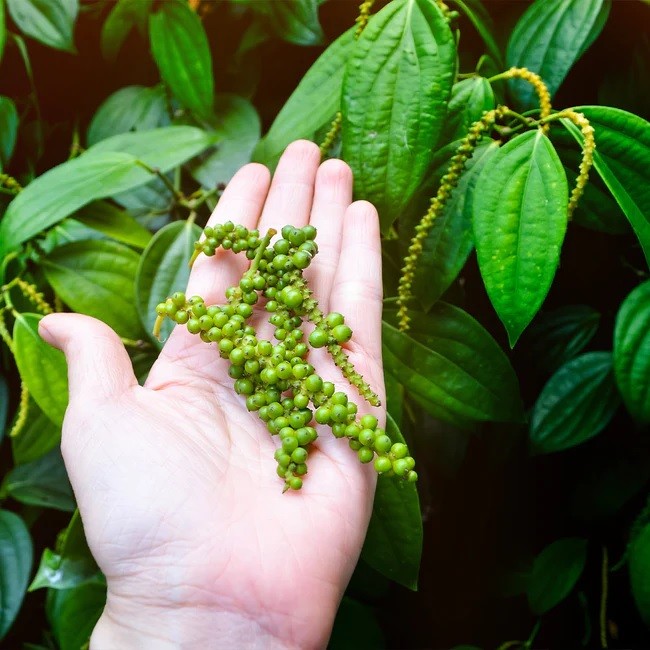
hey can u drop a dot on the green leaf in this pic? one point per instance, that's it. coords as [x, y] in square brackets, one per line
[8, 130]
[520, 218]
[556, 571]
[295, 21]
[115, 223]
[49, 21]
[312, 104]
[482, 21]
[393, 543]
[238, 127]
[356, 628]
[450, 240]
[622, 158]
[97, 278]
[73, 613]
[181, 51]
[397, 83]
[470, 98]
[3, 30]
[549, 38]
[123, 17]
[41, 367]
[632, 352]
[4, 405]
[576, 404]
[71, 564]
[16, 556]
[98, 173]
[164, 269]
[559, 335]
[39, 435]
[453, 366]
[132, 108]
[639, 565]
[42, 482]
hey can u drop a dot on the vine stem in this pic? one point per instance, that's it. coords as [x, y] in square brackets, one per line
[179, 196]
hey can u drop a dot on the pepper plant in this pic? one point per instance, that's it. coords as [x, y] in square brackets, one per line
[507, 151]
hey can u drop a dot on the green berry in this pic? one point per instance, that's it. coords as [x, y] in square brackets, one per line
[366, 438]
[339, 413]
[313, 383]
[182, 317]
[383, 444]
[193, 326]
[365, 455]
[383, 464]
[290, 444]
[299, 455]
[334, 319]
[295, 483]
[322, 415]
[328, 388]
[342, 334]
[412, 477]
[399, 450]
[400, 467]
[368, 421]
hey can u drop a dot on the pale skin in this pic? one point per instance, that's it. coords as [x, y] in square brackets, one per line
[176, 481]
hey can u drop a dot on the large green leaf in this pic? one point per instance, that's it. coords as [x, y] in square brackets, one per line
[123, 17]
[632, 352]
[393, 543]
[550, 37]
[238, 126]
[71, 564]
[16, 556]
[559, 335]
[130, 108]
[555, 572]
[397, 83]
[520, 218]
[482, 21]
[639, 564]
[450, 240]
[97, 278]
[470, 98]
[39, 435]
[8, 130]
[295, 21]
[107, 169]
[42, 482]
[163, 269]
[41, 367]
[115, 223]
[622, 159]
[312, 104]
[453, 366]
[576, 404]
[181, 50]
[49, 21]
[73, 613]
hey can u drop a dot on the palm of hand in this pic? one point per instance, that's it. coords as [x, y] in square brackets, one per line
[176, 480]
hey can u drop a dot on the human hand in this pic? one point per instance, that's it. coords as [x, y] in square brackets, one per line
[176, 481]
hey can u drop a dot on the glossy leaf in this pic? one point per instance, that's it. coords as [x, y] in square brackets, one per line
[42, 482]
[163, 269]
[520, 218]
[312, 104]
[397, 82]
[556, 571]
[97, 278]
[41, 367]
[132, 108]
[181, 51]
[576, 404]
[123, 17]
[639, 566]
[453, 366]
[450, 240]
[107, 169]
[16, 556]
[393, 543]
[470, 98]
[238, 127]
[632, 352]
[480, 18]
[549, 38]
[295, 21]
[115, 223]
[39, 435]
[8, 130]
[71, 564]
[622, 159]
[73, 613]
[559, 335]
[49, 21]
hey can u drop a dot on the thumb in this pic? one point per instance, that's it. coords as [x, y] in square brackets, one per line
[99, 367]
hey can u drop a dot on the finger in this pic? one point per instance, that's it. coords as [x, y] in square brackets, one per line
[332, 196]
[357, 289]
[99, 368]
[241, 203]
[290, 197]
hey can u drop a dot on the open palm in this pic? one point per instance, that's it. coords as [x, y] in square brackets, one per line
[176, 480]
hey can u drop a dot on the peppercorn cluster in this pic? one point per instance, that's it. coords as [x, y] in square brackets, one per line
[275, 377]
